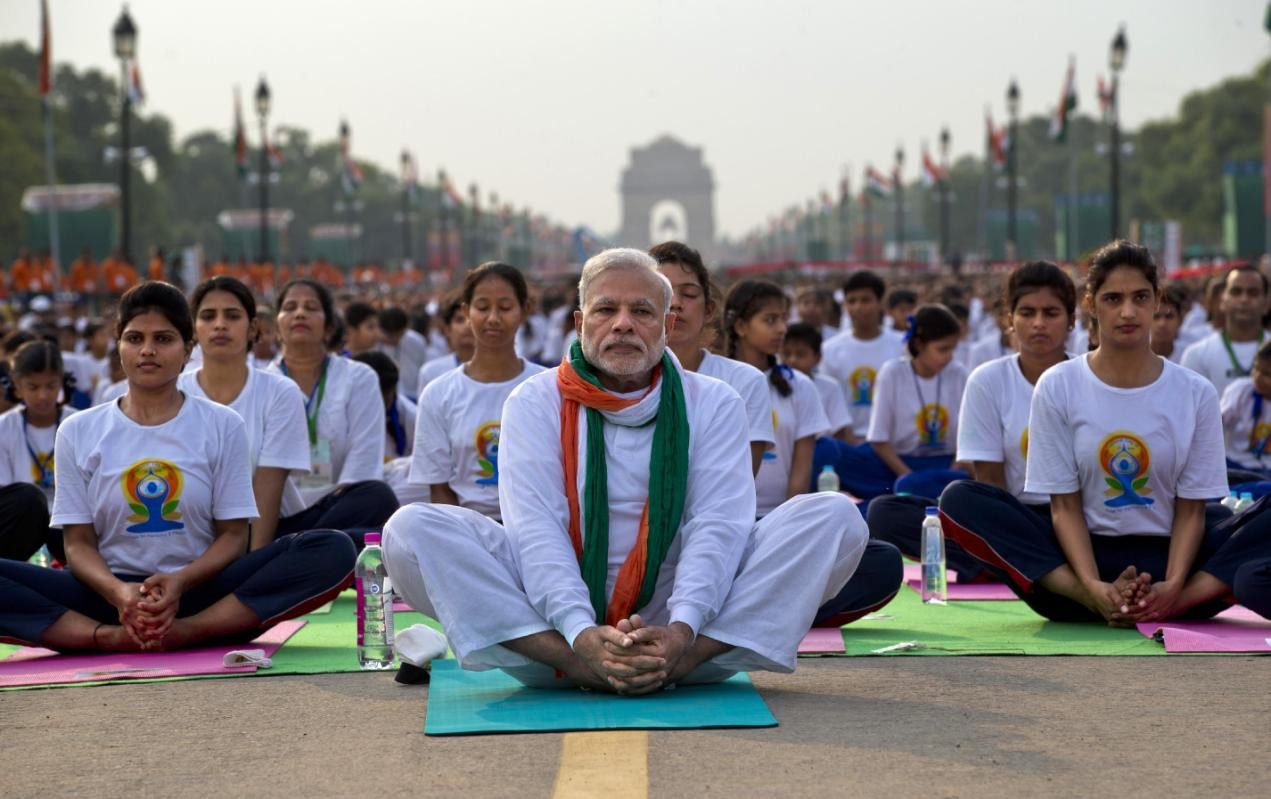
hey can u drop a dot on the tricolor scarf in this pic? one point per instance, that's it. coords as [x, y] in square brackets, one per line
[668, 476]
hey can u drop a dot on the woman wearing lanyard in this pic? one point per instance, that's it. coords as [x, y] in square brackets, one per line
[26, 468]
[1129, 447]
[154, 494]
[344, 417]
[270, 405]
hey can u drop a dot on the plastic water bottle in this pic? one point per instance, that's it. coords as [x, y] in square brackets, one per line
[935, 588]
[1231, 501]
[1246, 499]
[828, 479]
[374, 608]
[42, 557]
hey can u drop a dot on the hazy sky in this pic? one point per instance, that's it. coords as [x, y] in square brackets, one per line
[540, 101]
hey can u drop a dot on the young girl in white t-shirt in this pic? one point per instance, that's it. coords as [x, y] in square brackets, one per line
[460, 413]
[693, 303]
[1128, 447]
[917, 397]
[1246, 419]
[27, 435]
[755, 314]
[153, 495]
[225, 325]
[992, 439]
[345, 488]
[454, 320]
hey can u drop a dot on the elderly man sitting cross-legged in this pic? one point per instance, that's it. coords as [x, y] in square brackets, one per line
[630, 558]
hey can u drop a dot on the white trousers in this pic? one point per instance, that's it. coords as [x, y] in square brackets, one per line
[458, 566]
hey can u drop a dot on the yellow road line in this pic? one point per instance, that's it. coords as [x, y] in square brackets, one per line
[613, 765]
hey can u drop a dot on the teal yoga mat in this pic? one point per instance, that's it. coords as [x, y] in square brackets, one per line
[484, 702]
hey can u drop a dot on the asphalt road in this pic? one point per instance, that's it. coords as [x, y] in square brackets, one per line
[901, 726]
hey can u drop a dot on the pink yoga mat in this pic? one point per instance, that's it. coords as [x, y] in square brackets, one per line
[1235, 630]
[400, 606]
[35, 666]
[822, 640]
[913, 571]
[976, 592]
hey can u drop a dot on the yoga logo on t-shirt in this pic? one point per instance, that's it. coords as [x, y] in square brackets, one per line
[1125, 460]
[152, 489]
[487, 444]
[932, 421]
[1259, 439]
[862, 382]
[1023, 443]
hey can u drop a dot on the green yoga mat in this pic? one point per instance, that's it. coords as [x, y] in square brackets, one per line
[983, 628]
[481, 702]
[326, 644]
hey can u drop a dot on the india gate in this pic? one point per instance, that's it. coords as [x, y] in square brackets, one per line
[668, 193]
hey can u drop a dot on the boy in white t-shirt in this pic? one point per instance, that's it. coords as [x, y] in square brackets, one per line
[802, 352]
[854, 358]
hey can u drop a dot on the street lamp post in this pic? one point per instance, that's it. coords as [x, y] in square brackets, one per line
[1116, 60]
[442, 219]
[407, 178]
[944, 193]
[899, 194]
[262, 111]
[125, 33]
[1012, 108]
[474, 200]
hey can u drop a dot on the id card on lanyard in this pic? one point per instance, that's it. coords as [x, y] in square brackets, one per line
[322, 474]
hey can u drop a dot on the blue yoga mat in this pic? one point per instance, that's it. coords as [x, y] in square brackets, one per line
[481, 702]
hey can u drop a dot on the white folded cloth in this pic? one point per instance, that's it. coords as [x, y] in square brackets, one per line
[247, 657]
[420, 644]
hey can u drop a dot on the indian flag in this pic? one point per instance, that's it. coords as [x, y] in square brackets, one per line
[1067, 104]
[876, 183]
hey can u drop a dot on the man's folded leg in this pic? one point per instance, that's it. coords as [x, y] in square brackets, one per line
[799, 557]
[457, 566]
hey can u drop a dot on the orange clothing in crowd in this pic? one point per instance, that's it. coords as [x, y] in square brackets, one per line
[83, 277]
[20, 275]
[155, 270]
[119, 275]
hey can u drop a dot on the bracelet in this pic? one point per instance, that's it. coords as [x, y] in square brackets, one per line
[95, 629]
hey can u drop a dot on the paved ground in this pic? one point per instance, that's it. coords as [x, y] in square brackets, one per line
[951, 726]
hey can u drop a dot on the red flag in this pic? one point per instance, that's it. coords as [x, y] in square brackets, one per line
[46, 52]
[932, 173]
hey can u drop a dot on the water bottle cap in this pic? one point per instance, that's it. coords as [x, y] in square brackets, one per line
[1246, 495]
[827, 468]
[372, 538]
[932, 510]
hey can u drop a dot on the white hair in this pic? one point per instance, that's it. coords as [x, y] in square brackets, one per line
[622, 258]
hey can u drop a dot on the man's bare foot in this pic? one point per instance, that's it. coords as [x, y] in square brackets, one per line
[703, 649]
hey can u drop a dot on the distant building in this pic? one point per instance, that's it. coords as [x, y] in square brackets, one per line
[668, 193]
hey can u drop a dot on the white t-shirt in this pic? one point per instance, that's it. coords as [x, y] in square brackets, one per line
[988, 349]
[855, 364]
[110, 392]
[833, 402]
[18, 441]
[350, 430]
[457, 436]
[410, 354]
[152, 492]
[794, 417]
[993, 422]
[273, 412]
[1248, 436]
[918, 415]
[431, 370]
[752, 385]
[1129, 451]
[1209, 358]
[718, 514]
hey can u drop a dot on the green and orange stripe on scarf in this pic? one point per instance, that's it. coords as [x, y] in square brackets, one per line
[668, 476]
